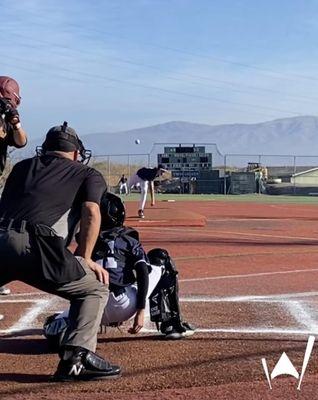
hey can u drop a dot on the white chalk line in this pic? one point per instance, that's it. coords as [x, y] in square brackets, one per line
[302, 315]
[209, 299]
[258, 331]
[27, 321]
[294, 308]
[19, 301]
[36, 294]
[226, 233]
[275, 298]
[259, 219]
[242, 276]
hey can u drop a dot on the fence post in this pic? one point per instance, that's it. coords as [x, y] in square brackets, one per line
[225, 174]
[295, 170]
[109, 171]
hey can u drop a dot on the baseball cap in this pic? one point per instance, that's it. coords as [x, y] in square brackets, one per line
[62, 138]
[9, 89]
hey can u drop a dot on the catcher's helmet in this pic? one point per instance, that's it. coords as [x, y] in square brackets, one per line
[158, 257]
[161, 258]
[64, 138]
[112, 211]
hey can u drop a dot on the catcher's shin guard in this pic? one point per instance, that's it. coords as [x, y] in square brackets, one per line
[164, 300]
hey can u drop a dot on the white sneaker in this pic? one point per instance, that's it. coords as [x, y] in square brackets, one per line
[4, 290]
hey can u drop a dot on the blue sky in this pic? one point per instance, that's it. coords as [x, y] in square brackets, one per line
[120, 64]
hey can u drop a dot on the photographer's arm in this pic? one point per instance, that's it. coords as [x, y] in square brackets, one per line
[19, 136]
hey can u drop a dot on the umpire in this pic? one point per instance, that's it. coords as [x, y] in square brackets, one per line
[34, 231]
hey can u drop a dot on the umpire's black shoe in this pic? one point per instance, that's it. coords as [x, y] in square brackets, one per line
[85, 365]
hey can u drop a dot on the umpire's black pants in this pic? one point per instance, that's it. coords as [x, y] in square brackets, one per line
[20, 261]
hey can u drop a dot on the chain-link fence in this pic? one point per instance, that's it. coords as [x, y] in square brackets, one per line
[272, 174]
[114, 166]
[227, 174]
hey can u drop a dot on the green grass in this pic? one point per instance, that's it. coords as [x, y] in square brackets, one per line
[247, 198]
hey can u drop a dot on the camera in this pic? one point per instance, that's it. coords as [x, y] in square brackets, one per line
[5, 106]
[8, 113]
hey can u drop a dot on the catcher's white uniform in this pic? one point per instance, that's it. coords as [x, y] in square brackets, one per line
[123, 307]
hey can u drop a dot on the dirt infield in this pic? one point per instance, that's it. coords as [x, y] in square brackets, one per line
[165, 214]
[248, 280]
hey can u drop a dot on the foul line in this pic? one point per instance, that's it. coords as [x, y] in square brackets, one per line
[260, 331]
[259, 298]
[247, 254]
[220, 277]
[223, 233]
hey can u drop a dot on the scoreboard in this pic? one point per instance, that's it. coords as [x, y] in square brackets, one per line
[186, 161]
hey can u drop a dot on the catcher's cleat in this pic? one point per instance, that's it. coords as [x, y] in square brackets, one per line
[84, 365]
[141, 214]
[172, 332]
[4, 290]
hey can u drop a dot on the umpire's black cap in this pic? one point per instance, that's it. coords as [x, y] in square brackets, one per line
[62, 138]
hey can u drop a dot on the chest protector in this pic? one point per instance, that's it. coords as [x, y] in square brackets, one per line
[114, 248]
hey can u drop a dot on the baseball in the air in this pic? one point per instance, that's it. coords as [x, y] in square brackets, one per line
[137, 141]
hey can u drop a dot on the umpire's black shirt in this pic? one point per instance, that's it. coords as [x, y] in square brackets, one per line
[42, 190]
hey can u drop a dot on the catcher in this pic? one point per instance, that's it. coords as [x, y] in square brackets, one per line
[138, 283]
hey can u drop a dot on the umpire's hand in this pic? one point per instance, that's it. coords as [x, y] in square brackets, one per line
[100, 272]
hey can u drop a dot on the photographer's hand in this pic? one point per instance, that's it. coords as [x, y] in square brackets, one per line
[12, 116]
[19, 135]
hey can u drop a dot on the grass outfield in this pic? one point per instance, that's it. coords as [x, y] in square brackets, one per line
[254, 198]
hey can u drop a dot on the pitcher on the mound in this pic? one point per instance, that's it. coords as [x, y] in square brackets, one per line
[143, 178]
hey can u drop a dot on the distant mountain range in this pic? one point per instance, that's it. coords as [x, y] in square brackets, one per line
[297, 135]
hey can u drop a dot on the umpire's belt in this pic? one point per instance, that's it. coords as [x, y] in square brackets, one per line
[14, 224]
